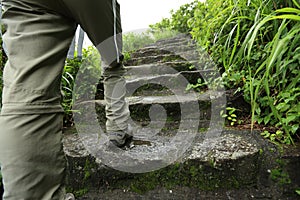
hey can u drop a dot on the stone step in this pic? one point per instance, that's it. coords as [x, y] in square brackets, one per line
[178, 137]
[220, 162]
[187, 55]
[177, 106]
[164, 73]
[148, 51]
[158, 78]
[153, 59]
[172, 45]
[175, 48]
[174, 40]
[187, 43]
[159, 68]
[167, 41]
[182, 78]
[225, 173]
[182, 98]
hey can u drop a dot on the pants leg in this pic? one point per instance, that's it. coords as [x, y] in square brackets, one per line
[31, 155]
[32, 158]
[37, 42]
[38, 35]
[101, 21]
[116, 109]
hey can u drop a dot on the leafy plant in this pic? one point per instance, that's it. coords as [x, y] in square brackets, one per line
[200, 85]
[277, 137]
[90, 68]
[159, 35]
[255, 44]
[67, 84]
[179, 20]
[230, 115]
[134, 41]
[271, 79]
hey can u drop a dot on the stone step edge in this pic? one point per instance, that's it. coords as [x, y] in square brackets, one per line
[136, 77]
[183, 42]
[193, 97]
[175, 64]
[172, 40]
[172, 54]
[230, 153]
[163, 52]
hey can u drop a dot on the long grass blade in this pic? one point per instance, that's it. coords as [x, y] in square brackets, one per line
[288, 10]
[292, 17]
[296, 3]
[256, 28]
[236, 41]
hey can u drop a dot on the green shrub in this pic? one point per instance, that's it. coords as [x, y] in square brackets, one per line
[179, 19]
[255, 44]
[274, 85]
[67, 83]
[90, 68]
[133, 41]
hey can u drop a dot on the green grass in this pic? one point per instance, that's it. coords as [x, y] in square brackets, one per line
[255, 44]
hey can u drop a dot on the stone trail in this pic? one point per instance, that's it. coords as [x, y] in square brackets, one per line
[180, 143]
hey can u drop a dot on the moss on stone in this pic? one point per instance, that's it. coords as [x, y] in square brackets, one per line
[189, 174]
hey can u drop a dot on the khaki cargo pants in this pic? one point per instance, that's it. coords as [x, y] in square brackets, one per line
[39, 33]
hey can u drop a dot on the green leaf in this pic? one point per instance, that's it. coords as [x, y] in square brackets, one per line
[70, 75]
[273, 137]
[66, 80]
[224, 115]
[233, 115]
[252, 33]
[285, 94]
[283, 107]
[296, 3]
[266, 134]
[289, 119]
[294, 128]
[267, 119]
[292, 17]
[288, 10]
[258, 111]
[230, 110]
[259, 120]
[279, 133]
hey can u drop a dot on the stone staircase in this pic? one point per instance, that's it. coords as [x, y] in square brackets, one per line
[180, 145]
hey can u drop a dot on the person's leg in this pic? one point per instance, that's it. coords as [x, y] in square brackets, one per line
[32, 159]
[31, 155]
[101, 21]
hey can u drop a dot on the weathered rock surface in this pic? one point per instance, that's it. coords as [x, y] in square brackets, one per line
[208, 163]
[180, 151]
